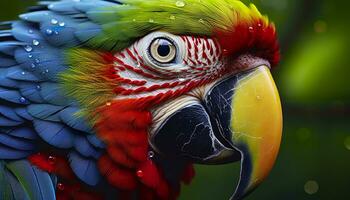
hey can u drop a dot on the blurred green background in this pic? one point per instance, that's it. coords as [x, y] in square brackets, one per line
[314, 82]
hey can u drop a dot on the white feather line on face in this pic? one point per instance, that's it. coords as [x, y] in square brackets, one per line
[182, 71]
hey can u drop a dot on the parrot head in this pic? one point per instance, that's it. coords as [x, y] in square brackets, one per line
[170, 83]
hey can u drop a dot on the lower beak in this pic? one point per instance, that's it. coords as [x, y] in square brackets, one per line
[256, 126]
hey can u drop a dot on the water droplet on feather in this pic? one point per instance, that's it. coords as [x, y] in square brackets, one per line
[54, 21]
[22, 100]
[28, 48]
[180, 4]
[36, 42]
[49, 31]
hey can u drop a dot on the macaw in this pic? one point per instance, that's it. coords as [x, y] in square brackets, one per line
[109, 99]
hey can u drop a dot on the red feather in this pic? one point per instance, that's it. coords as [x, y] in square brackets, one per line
[259, 39]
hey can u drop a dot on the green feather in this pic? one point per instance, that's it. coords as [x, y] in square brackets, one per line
[123, 24]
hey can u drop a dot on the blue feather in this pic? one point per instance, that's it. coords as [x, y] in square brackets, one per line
[4, 34]
[16, 143]
[9, 48]
[24, 32]
[55, 134]
[85, 169]
[17, 189]
[45, 112]
[95, 141]
[10, 113]
[37, 16]
[53, 94]
[37, 183]
[85, 148]
[10, 153]
[17, 73]
[5, 183]
[60, 34]
[31, 91]
[5, 81]
[22, 112]
[87, 30]
[12, 96]
[8, 122]
[6, 62]
[24, 132]
[90, 5]
[63, 6]
[69, 117]
[42, 60]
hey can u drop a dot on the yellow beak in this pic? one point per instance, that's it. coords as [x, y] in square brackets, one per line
[256, 125]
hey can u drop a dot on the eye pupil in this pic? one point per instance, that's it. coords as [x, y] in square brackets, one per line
[163, 49]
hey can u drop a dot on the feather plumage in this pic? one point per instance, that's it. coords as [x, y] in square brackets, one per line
[55, 49]
[85, 169]
[37, 184]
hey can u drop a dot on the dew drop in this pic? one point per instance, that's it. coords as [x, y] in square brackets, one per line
[62, 24]
[52, 159]
[134, 20]
[182, 79]
[38, 87]
[28, 48]
[49, 31]
[37, 60]
[180, 4]
[151, 20]
[150, 154]
[201, 21]
[108, 104]
[139, 173]
[54, 21]
[60, 186]
[251, 29]
[56, 33]
[172, 17]
[36, 42]
[23, 73]
[22, 100]
[33, 66]
[30, 56]
[30, 31]
[46, 71]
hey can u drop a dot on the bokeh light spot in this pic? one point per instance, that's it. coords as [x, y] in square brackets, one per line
[320, 26]
[311, 187]
[347, 143]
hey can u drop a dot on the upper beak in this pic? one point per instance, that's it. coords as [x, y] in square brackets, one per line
[256, 126]
[240, 118]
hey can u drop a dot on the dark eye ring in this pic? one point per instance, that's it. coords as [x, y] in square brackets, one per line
[163, 50]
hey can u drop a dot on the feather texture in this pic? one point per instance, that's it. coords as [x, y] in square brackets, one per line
[85, 169]
[36, 183]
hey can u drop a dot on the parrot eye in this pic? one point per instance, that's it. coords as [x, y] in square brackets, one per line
[163, 51]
